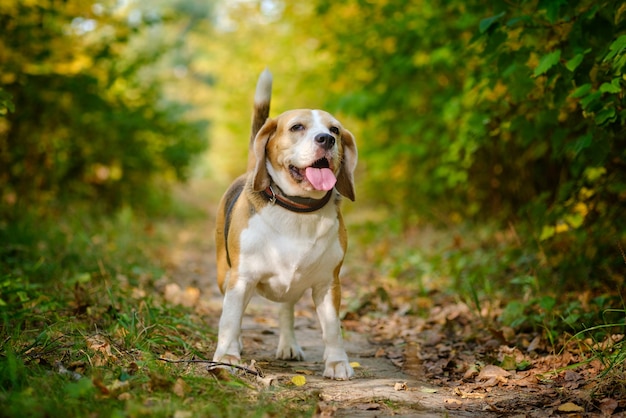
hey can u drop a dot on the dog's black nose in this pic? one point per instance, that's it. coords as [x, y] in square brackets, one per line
[325, 141]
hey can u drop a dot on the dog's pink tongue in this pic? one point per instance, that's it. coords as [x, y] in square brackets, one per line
[321, 178]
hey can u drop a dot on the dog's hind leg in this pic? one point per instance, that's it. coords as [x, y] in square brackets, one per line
[288, 348]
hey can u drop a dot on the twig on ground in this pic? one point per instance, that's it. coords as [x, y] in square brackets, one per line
[213, 364]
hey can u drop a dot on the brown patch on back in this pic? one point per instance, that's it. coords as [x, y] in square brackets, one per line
[226, 235]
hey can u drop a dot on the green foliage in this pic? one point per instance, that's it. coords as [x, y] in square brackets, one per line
[565, 130]
[507, 111]
[82, 117]
[6, 104]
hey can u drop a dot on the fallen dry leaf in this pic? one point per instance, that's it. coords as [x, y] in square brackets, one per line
[325, 410]
[381, 352]
[117, 387]
[266, 381]
[99, 384]
[490, 371]
[180, 388]
[570, 407]
[400, 386]
[471, 371]
[175, 295]
[102, 348]
[453, 403]
[132, 368]
[125, 396]
[99, 344]
[534, 344]
[469, 395]
[608, 406]
[298, 380]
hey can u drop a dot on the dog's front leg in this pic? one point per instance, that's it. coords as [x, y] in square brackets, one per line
[288, 348]
[326, 302]
[229, 335]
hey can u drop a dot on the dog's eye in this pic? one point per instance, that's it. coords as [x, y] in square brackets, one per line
[334, 130]
[297, 127]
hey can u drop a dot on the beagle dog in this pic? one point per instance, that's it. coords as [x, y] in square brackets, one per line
[280, 230]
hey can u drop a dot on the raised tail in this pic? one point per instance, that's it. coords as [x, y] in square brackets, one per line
[262, 98]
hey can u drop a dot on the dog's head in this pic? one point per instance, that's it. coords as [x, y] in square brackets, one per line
[306, 153]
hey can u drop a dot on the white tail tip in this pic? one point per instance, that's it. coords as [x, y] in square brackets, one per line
[263, 92]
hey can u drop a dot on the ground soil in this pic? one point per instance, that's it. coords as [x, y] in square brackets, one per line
[428, 365]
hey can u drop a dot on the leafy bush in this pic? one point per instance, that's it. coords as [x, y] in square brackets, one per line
[502, 111]
[80, 117]
[556, 117]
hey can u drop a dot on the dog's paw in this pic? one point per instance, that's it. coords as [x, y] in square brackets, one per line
[338, 370]
[224, 363]
[228, 359]
[289, 352]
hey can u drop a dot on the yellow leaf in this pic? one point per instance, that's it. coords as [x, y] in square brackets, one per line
[355, 364]
[298, 380]
[548, 231]
[570, 407]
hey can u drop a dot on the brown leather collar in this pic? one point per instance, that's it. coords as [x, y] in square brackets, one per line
[295, 203]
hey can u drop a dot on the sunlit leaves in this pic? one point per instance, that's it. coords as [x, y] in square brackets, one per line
[612, 87]
[6, 104]
[617, 53]
[488, 22]
[104, 129]
[547, 61]
[536, 96]
[582, 91]
[573, 63]
[552, 8]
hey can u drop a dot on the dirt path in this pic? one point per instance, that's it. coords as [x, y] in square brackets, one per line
[378, 381]
[191, 264]
[408, 365]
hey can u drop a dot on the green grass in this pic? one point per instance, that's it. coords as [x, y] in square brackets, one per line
[78, 339]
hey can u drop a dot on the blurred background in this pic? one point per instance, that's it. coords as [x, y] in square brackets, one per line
[500, 122]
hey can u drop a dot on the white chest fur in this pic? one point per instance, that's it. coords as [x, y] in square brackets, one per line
[284, 253]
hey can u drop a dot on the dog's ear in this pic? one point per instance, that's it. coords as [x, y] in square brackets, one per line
[345, 178]
[260, 177]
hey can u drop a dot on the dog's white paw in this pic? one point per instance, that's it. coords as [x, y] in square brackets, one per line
[289, 352]
[338, 370]
[226, 362]
[228, 359]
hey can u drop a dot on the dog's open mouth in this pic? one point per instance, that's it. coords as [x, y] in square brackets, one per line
[318, 174]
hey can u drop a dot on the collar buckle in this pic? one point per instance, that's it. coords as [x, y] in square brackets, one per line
[272, 198]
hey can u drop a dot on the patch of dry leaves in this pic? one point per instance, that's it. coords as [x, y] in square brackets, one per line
[488, 366]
